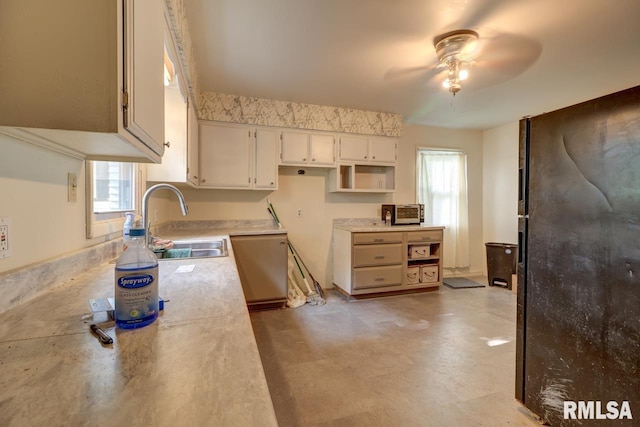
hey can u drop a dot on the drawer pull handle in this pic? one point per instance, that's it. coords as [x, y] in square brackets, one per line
[379, 279]
[379, 257]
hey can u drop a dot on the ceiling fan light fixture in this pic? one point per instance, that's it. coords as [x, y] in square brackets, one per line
[456, 50]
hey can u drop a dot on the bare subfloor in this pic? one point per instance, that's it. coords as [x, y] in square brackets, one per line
[430, 359]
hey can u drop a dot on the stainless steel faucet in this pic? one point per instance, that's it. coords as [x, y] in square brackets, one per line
[145, 207]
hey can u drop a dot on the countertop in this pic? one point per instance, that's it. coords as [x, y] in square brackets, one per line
[212, 233]
[384, 228]
[198, 364]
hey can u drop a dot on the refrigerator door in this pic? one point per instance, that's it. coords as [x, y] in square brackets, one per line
[581, 304]
[521, 307]
[523, 170]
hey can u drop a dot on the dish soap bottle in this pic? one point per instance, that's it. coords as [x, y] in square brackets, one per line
[136, 284]
[126, 229]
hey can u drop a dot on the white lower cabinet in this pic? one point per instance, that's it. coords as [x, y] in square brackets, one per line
[386, 261]
[238, 157]
[262, 266]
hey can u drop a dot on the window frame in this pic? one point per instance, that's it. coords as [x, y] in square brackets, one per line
[110, 224]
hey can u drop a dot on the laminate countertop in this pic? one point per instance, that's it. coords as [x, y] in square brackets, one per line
[385, 228]
[197, 365]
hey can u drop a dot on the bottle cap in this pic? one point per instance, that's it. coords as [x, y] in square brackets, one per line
[136, 232]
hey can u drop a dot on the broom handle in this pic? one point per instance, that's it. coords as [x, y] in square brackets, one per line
[272, 211]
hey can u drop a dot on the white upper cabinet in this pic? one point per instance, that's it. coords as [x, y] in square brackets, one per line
[367, 149]
[192, 146]
[303, 148]
[225, 155]
[295, 147]
[174, 161]
[238, 157]
[265, 159]
[180, 159]
[322, 149]
[143, 55]
[383, 149]
[84, 78]
[354, 148]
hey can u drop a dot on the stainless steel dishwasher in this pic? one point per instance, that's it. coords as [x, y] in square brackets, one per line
[262, 266]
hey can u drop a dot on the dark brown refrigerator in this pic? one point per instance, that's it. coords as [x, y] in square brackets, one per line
[578, 318]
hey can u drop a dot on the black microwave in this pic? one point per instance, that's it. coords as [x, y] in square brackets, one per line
[404, 214]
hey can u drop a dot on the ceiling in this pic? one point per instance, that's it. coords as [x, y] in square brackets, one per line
[378, 55]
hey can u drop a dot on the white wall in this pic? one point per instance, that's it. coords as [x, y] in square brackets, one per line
[33, 194]
[500, 186]
[470, 141]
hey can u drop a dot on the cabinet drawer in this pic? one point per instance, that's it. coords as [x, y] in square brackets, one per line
[377, 255]
[368, 238]
[376, 277]
[424, 236]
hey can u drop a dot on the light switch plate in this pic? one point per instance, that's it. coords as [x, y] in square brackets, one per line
[5, 234]
[72, 187]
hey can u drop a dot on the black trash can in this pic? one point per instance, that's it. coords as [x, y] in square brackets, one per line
[502, 262]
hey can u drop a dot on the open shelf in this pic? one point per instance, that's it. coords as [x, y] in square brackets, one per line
[363, 178]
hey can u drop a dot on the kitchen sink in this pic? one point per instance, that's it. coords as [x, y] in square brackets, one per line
[198, 249]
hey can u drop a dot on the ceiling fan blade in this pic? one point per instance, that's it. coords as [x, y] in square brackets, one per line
[471, 15]
[423, 71]
[507, 55]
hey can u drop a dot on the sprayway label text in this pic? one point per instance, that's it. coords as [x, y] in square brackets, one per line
[137, 281]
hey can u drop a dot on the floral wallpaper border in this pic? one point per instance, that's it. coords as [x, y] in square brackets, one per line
[268, 112]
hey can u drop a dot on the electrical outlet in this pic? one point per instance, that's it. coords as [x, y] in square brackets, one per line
[299, 212]
[5, 243]
[72, 188]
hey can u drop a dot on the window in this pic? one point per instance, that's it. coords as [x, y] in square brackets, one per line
[441, 186]
[113, 188]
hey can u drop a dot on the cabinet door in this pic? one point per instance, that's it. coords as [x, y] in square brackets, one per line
[354, 148]
[266, 159]
[382, 150]
[322, 149]
[143, 59]
[174, 159]
[192, 145]
[225, 155]
[262, 266]
[295, 147]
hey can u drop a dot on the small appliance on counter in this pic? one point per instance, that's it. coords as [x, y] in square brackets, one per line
[404, 214]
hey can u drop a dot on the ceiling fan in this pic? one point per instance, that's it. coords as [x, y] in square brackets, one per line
[494, 59]
[456, 51]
